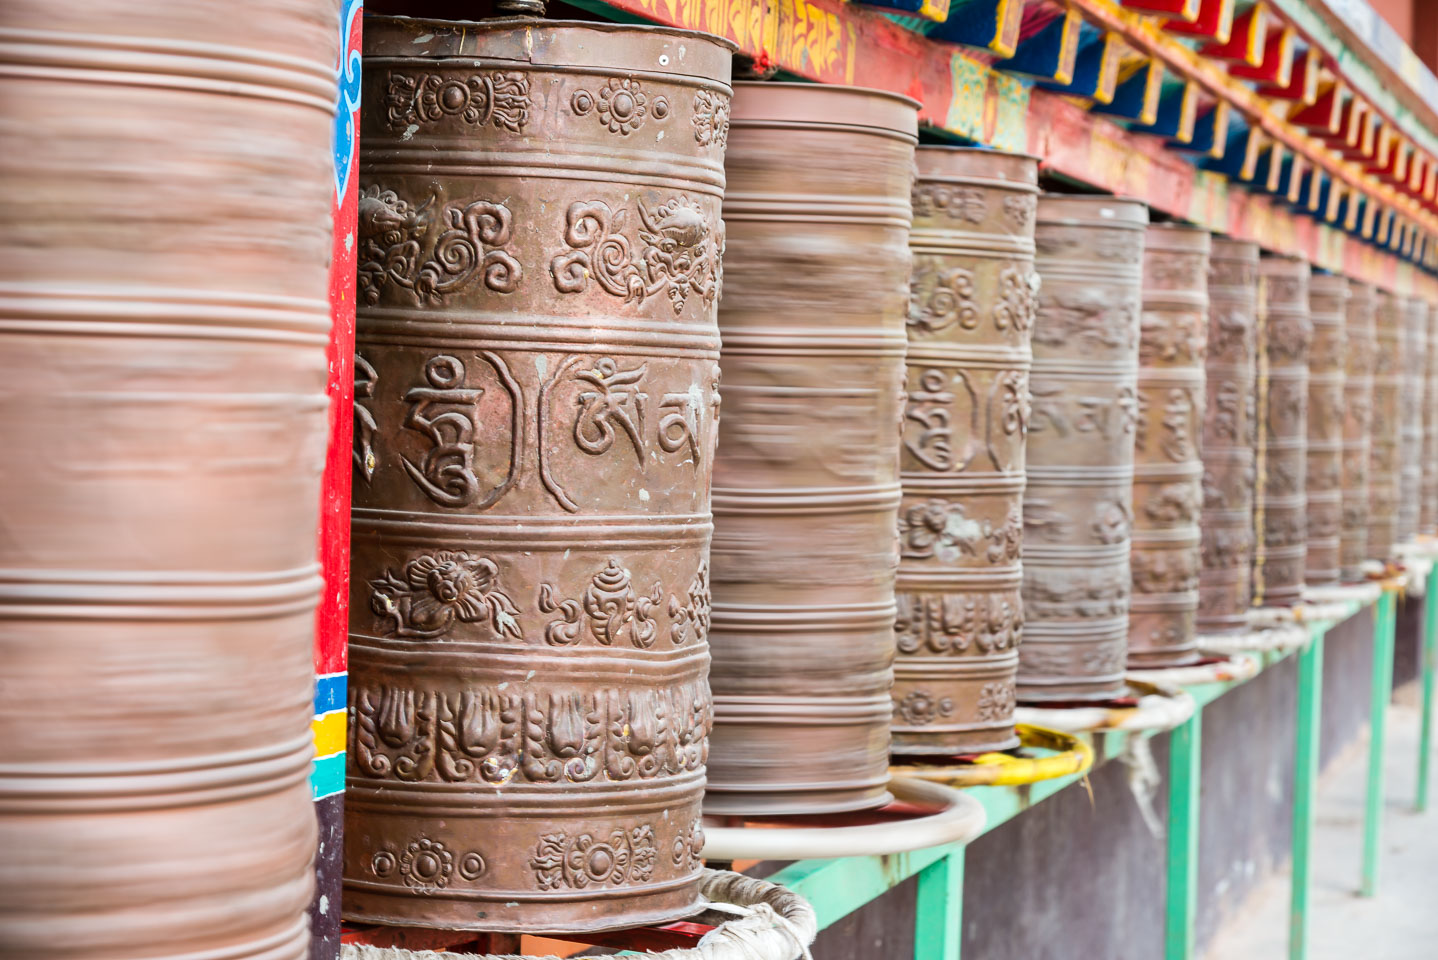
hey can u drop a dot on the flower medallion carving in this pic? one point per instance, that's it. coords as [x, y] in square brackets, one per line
[431, 251]
[621, 105]
[497, 98]
[575, 861]
[711, 119]
[919, 708]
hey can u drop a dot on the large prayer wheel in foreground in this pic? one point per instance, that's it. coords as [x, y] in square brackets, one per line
[1360, 345]
[539, 277]
[1226, 563]
[1078, 501]
[1167, 471]
[1282, 552]
[961, 523]
[1410, 431]
[806, 484]
[165, 191]
[1384, 458]
[1323, 481]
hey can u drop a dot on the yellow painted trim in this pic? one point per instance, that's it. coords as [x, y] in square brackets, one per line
[1152, 90]
[1285, 57]
[935, 10]
[1225, 23]
[1257, 35]
[1108, 69]
[1252, 146]
[1068, 46]
[329, 733]
[1187, 113]
[1275, 166]
[1008, 20]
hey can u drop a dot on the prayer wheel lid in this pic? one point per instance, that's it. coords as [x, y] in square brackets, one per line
[642, 48]
[825, 104]
[1177, 238]
[977, 165]
[1332, 284]
[1093, 209]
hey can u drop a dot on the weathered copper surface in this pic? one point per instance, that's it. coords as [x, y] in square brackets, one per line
[1428, 486]
[1226, 563]
[165, 188]
[1410, 459]
[1286, 335]
[961, 522]
[806, 484]
[1167, 471]
[1078, 501]
[1323, 481]
[1360, 344]
[539, 275]
[1383, 458]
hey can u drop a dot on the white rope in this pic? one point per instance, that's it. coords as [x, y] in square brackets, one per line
[1286, 637]
[1162, 709]
[771, 922]
[1236, 669]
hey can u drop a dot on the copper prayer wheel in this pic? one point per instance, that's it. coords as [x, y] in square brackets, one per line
[1079, 495]
[1428, 489]
[166, 178]
[1226, 562]
[1383, 459]
[1167, 470]
[1360, 345]
[971, 313]
[806, 484]
[539, 277]
[1323, 480]
[1410, 462]
[1287, 333]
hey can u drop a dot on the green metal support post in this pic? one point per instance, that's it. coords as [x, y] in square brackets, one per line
[939, 919]
[1383, 627]
[1430, 666]
[1305, 779]
[1184, 760]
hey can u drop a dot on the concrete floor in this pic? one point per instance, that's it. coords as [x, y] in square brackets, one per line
[1401, 923]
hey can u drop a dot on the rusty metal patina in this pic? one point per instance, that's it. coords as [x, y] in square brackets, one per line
[1383, 458]
[166, 181]
[1414, 368]
[1323, 481]
[539, 274]
[1428, 486]
[971, 313]
[1226, 560]
[1360, 345]
[1079, 496]
[1167, 470]
[1283, 432]
[806, 485]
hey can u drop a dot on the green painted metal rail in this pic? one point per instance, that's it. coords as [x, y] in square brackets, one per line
[839, 887]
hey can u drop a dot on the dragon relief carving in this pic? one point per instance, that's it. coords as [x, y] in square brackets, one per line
[433, 250]
[499, 733]
[939, 530]
[956, 623]
[435, 590]
[679, 252]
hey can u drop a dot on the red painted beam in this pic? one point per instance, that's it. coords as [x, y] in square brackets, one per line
[1323, 117]
[1185, 10]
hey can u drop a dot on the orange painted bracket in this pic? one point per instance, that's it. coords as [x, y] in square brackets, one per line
[1185, 10]
[1302, 83]
[1177, 113]
[1276, 67]
[1418, 163]
[1239, 161]
[1095, 75]
[1214, 22]
[1246, 40]
[1210, 132]
[1323, 117]
[1359, 134]
[1136, 98]
[1051, 53]
[1430, 181]
[991, 25]
[1268, 174]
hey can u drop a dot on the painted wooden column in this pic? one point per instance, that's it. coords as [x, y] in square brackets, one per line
[327, 777]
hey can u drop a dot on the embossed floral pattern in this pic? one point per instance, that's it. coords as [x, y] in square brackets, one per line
[426, 865]
[711, 119]
[562, 861]
[1018, 302]
[919, 708]
[478, 99]
[996, 702]
[621, 105]
[940, 298]
[435, 590]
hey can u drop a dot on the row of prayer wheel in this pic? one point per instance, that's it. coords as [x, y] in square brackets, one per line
[957, 413]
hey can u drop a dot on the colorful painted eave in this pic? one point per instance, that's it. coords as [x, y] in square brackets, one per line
[831, 41]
